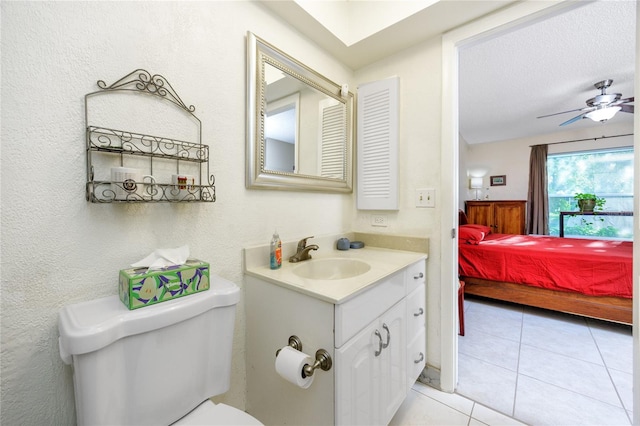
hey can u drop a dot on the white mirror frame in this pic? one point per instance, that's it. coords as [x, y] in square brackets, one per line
[260, 53]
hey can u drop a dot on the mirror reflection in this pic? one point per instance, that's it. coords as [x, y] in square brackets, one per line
[281, 125]
[300, 131]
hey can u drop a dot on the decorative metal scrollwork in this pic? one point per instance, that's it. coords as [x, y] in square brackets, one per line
[103, 139]
[125, 143]
[136, 192]
[142, 80]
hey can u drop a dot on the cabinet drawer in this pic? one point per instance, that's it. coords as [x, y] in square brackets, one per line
[416, 357]
[416, 275]
[416, 312]
[354, 315]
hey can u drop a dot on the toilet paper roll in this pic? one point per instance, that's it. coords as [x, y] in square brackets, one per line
[289, 365]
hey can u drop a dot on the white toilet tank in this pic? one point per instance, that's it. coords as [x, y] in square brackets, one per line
[151, 365]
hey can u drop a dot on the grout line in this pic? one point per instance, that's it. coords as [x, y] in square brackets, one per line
[515, 390]
[572, 390]
[449, 406]
[470, 355]
[560, 354]
[586, 323]
[606, 367]
[474, 404]
[576, 393]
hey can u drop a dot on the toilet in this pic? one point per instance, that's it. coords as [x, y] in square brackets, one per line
[156, 365]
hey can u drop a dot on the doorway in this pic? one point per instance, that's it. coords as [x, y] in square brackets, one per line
[514, 17]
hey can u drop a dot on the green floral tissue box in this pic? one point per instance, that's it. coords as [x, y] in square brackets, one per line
[139, 287]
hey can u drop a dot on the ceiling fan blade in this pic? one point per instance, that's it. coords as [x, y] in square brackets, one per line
[623, 101]
[627, 108]
[576, 118]
[563, 112]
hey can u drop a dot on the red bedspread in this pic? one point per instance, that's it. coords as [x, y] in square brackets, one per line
[593, 267]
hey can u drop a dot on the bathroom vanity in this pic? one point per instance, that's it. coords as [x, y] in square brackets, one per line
[365, 307]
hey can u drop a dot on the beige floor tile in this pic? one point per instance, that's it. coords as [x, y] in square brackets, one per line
[420, 410]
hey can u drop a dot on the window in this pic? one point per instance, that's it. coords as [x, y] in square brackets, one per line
[606, 173]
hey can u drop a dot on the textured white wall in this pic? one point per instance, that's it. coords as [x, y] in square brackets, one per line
[420, 71]
[511, 158]
[56, 247]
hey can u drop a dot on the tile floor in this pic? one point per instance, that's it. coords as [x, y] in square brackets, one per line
[536, 366]
[545, 368]
[427, 406]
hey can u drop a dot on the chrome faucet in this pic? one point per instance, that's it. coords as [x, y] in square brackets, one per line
[303, 251]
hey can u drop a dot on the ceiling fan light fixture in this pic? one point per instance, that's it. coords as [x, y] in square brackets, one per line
[602, 107]
[603, 114]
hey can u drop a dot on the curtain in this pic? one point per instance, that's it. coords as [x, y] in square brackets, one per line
[537, 199]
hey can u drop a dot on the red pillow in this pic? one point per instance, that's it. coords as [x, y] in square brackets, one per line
[484, 228]
[472, 234]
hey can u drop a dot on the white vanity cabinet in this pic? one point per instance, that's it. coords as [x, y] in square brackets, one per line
[379, 365]
[374, 337]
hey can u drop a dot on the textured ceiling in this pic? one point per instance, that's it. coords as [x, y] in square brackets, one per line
[507, 81]
[547, 67]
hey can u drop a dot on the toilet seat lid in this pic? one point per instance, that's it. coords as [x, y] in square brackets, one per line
[209, 413]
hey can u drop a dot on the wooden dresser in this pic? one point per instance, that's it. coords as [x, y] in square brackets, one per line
[502, 216]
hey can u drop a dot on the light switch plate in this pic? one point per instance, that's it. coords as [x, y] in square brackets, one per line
[425, 197]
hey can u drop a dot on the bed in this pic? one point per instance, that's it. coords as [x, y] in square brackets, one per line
[587, 277]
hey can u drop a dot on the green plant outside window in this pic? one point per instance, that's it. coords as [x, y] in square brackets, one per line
[607, 174]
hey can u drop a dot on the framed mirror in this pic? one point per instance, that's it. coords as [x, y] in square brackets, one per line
[300, 127]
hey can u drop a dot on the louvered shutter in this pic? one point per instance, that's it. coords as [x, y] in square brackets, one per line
[333, 141]
[377, 185]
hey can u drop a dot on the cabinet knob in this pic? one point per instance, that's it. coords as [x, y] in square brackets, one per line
[420, 312]
[418, 361]
[417, 277]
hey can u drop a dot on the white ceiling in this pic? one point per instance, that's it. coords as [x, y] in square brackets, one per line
[327, 23]
[547, 67]
[507, 81]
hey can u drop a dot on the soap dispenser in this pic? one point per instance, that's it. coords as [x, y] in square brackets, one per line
[275, 252]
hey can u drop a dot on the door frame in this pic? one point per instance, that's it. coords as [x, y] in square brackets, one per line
[491, 26]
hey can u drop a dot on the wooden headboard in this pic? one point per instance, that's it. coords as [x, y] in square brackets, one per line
[462, 218]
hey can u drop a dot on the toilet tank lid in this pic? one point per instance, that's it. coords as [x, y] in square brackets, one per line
[88, 326]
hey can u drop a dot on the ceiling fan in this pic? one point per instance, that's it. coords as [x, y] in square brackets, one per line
[602, 107]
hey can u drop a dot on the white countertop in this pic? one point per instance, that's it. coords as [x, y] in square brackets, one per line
[383, 262]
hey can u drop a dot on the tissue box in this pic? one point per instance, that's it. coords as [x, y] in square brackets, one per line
[139, 287]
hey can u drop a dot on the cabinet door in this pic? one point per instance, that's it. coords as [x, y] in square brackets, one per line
[481, 213]
[509, 217]
[393, 377]
[357, 379]
[371, 373]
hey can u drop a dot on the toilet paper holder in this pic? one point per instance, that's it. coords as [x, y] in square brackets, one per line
[323, 358]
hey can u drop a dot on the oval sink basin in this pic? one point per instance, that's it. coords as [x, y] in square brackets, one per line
[331, 269]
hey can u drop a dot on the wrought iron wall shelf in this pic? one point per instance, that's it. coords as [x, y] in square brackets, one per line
[105, 192]
[105, 142]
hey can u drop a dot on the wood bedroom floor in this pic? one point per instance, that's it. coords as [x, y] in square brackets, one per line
[545, 368]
